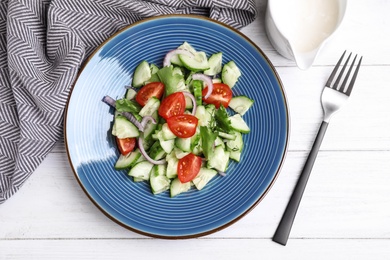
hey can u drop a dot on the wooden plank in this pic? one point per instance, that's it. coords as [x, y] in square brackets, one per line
[299, 249]
[345, 198]
[357, 126]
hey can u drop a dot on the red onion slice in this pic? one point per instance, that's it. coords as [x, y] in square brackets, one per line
[193, 101]
[109, 101]
[133, 120]
[207, 80]
[131, 87]
[145, 120]
[167, 59]
[143, 152]
[223, 174]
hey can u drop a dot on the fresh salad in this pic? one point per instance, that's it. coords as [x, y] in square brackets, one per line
[180, 125]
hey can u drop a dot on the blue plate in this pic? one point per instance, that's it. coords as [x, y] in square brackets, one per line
[92, 151]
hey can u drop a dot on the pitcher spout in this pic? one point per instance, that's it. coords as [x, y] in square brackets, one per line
[297, 29]
[305, 60]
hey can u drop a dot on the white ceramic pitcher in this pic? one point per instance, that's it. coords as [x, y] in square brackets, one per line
[298, 29]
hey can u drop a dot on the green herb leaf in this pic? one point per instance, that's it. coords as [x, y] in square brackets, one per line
[208, 138]
[222, 120]
[170, 79]
[125, 105]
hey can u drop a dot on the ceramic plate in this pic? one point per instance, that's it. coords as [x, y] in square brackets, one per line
[92, 151]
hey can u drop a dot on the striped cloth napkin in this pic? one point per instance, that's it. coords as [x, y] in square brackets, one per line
[42, 45]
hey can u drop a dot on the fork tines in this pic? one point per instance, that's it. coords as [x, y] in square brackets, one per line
[335, 85]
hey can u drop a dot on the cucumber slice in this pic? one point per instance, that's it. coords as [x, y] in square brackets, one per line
[150, 107]
[158, 179]
[172, 167]
[230, 74]
[218, 141]
[203, 177]
[177, 71]
[183, 144]
[167, 133]
[150, 127]
[241, 104]
[156, 151]
[188, 100]
[141, 74]
[188, 47]
[176, 61]
[215, 62]
[140, 159]
[239, 124]
[197, 150]
[141, 170]
[167, 145]
[171, 155]
[195, 139]
[153, 68]
[155, 136]
[204, 116]
[188, 144]
[218, 160]
[197, 86]
[135, 179]
[147, 143]
[177, 187]
[201, 115]
[123, 128]
[185, 46]
[216, 80]
[154, 77]
[188, 78]
[181, 86]
[197, 63]
[179, 153]
[130, 94]
[127, 161]
[235, 155]
[226, 136]
[235, 145]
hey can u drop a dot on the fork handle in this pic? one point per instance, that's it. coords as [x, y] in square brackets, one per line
[283, 231]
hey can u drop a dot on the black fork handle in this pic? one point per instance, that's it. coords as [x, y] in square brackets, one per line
[283, 231]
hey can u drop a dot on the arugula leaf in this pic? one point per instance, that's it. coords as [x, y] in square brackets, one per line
[222, 120]
[125, 105]
[170, 79]
[208, 138]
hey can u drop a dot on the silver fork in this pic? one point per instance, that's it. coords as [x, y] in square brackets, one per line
[332, 99]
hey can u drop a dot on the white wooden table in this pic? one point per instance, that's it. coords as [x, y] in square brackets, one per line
[345, 211]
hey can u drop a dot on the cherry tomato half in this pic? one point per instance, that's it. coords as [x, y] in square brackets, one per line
[172, 105]
[183, 126]
[188, 167]
[153, 89]
[125, 145]
[222, 94]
